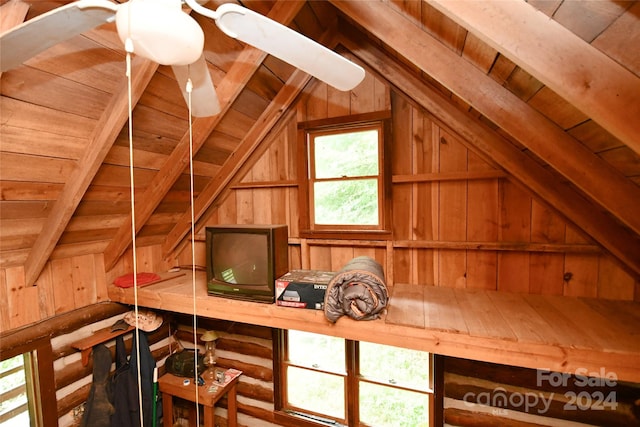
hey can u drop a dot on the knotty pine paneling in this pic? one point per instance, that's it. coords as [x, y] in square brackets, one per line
[67, 283]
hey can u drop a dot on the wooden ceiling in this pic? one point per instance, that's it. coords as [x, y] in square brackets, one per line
[548, 90]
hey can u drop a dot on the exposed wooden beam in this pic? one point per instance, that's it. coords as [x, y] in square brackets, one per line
[282, 101]
[229, 89]
[573, 160]
[107, 129]
[12, 13]
[481, 139]
[590, 80]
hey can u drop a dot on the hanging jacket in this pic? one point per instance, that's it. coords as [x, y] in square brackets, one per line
[98, 409]
[125, 384]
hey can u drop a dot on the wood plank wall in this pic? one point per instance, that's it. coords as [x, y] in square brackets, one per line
[458, 220]
[66, 284]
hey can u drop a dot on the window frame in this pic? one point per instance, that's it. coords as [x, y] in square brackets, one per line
[39, 358]
[308, 228]
[352, 379]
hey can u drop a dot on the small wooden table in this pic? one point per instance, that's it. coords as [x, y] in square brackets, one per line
[208, 395]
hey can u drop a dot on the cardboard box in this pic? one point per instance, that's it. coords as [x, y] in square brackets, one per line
[303, 288]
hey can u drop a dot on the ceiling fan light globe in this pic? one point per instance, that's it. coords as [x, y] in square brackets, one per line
[159, 32]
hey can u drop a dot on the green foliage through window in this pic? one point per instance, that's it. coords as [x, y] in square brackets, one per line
[393, 384]
[14, 410]
[347, 154]
[346, 202]
[346, 176]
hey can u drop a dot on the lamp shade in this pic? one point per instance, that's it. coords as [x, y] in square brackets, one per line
[209, 336]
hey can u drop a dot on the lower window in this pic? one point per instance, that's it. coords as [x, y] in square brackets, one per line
[332, 380]
[27, 389]
[16, 391]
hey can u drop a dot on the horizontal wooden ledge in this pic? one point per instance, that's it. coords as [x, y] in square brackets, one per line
[85, 345]
[264, 184]
[533, 331]
[448, 176]
[497, 246]
[455, 245]
[353, 242]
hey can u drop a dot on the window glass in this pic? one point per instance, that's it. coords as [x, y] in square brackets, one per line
[14, 408]
[317, 392]
[346, 202]
[346, 177]
[316, 351]
[346, 381]
[382, 406]
[394, 365]
[346, 154]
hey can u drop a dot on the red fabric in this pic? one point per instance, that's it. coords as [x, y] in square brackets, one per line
[126, 280]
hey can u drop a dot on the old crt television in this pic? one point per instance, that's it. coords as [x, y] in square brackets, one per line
[243, 261]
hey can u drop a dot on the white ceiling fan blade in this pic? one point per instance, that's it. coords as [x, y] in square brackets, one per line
[204, 100]
[284, 43]
[26, 40]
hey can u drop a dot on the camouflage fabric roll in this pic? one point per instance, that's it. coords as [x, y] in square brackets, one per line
[358, 291]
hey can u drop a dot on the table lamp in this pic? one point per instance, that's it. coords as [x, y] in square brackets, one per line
[209, 338]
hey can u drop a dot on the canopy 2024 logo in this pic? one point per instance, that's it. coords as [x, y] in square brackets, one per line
[594, 395]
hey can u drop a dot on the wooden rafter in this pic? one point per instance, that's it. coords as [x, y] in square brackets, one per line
[107, 129]
[590, 80]
[229, 89]
[605, 185]
[12, 13]
[487, 143]
[282, 101]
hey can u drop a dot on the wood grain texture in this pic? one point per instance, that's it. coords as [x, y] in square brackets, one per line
[586, 77]
[557, 342]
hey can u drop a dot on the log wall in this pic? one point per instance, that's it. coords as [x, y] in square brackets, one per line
[248, 348]
[479, 394]
[245, 347]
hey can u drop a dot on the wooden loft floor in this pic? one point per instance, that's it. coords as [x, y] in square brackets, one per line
[534, 331]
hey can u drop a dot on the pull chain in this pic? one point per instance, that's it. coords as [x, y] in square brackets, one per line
[129, 49]
[189, 89]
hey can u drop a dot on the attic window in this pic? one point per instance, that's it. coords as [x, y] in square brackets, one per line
[345, 175]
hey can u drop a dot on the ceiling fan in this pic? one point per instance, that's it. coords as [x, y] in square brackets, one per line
[161, 31]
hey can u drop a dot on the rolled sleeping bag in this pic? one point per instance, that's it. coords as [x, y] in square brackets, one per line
[358, 290]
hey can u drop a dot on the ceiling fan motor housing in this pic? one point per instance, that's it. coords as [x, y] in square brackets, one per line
[160, 31]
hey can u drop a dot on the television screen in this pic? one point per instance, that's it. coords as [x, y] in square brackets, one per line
[240, 258]
[243, 261]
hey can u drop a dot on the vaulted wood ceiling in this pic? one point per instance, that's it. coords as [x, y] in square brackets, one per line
[548, 90]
